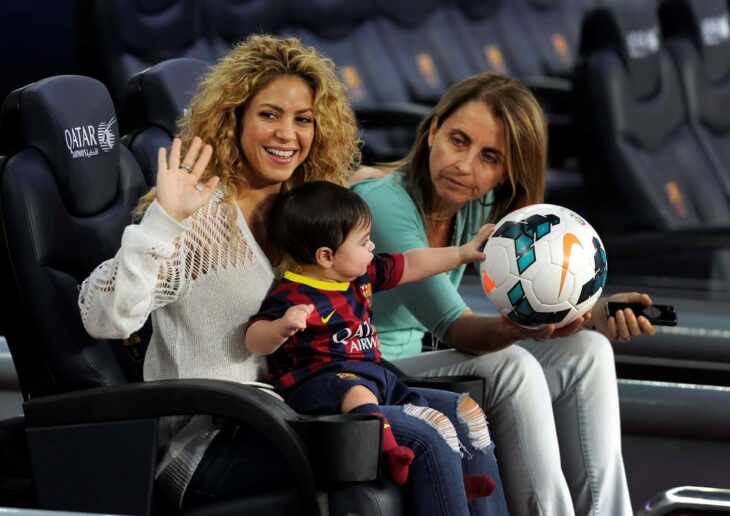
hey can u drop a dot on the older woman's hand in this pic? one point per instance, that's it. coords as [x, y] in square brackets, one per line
[546, 332]
[625, 324]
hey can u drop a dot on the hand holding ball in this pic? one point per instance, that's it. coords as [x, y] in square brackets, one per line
[544, 265]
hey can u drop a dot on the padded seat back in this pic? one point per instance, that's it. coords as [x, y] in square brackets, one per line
[553, 29]
[346, 33]
[490, 43]
[67, 189]
[428, 56]
[132, 35]
[698, 38]
[641, 152]
[155, 99]
[228, 22]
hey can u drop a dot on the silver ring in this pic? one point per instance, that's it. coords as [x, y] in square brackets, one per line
[200, 187]
[623, 339]
[186, 167]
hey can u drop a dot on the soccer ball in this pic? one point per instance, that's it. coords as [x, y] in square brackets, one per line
[544, 265]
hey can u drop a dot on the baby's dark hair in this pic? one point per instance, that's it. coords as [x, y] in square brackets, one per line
[315, 214]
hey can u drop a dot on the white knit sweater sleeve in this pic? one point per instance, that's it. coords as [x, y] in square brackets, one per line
[119, 295]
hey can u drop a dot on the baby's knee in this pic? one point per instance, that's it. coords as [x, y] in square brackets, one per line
[436, 420]
[471, 414]
[356, 396]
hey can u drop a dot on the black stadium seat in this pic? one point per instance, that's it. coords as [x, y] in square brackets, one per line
[130, 36]
[418, 32]
[154, 100]
[553, 29]
[492, 44]
[226, 22]
[403, 28]
[67, 188]
[641, 152]
[697, 34]
[345, 32]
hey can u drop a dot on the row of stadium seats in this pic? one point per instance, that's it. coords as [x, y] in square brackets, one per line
[652, 155]
[652, 88]
[67, 188]
[649, 87]
[426, 45]
[396, 57]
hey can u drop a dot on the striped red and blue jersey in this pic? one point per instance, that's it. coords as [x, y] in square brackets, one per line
[339, 328]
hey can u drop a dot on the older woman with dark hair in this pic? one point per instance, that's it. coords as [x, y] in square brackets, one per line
[552, 406]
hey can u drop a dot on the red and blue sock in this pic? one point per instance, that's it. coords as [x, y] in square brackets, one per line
[397, 458]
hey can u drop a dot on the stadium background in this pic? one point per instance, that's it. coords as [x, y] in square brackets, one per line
[679, 256]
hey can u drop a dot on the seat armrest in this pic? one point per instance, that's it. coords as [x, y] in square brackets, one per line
[472, 385]
[288, 431]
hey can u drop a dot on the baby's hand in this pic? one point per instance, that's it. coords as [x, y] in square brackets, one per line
[294, 320]
[473, 250]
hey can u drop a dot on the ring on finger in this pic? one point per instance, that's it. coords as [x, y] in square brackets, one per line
[623, 339]
[186, 167]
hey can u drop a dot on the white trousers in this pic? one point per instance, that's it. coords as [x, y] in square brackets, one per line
[553, 414]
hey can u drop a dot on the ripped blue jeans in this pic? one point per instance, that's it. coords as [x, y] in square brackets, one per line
[444, 453]
[436, 480]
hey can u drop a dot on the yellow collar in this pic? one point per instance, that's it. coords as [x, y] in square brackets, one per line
[339, 286]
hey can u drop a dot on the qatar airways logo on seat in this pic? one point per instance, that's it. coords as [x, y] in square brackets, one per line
[86, 141]
[361, 339]
[643, 43]
[715, 30]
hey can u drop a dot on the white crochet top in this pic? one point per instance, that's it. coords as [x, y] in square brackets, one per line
[200, 287]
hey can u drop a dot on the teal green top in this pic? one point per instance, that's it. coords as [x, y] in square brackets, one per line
[403, 314]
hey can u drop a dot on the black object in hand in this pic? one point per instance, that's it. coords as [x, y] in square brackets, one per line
[658, 315]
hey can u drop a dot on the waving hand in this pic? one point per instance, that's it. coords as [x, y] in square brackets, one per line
[179, 190]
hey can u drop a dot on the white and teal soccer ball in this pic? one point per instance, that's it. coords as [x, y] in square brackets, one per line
[544, 265]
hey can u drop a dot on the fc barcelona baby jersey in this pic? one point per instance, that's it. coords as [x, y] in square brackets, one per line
[339, 327]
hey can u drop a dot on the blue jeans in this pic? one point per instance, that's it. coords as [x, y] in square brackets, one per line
[435, 484]
[436, 480]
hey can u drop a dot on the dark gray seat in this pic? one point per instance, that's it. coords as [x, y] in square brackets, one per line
[154, 100]
[641, 154]
[67, 188]
[697, 35]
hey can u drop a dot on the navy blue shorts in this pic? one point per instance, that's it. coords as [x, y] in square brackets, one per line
[323, 393]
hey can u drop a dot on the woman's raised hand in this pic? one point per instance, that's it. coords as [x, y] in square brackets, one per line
[179, 190]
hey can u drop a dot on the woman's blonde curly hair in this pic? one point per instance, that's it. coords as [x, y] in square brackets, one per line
[217, 108]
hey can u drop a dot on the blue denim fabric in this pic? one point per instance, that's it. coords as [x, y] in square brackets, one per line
[435, 484]
[225, 471]
[473, 462]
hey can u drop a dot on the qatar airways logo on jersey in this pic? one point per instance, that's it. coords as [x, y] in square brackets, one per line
[361, 339]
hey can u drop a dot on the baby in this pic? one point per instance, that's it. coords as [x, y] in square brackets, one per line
[314, 325]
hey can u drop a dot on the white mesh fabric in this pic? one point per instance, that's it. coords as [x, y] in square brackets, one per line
[200, 286]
